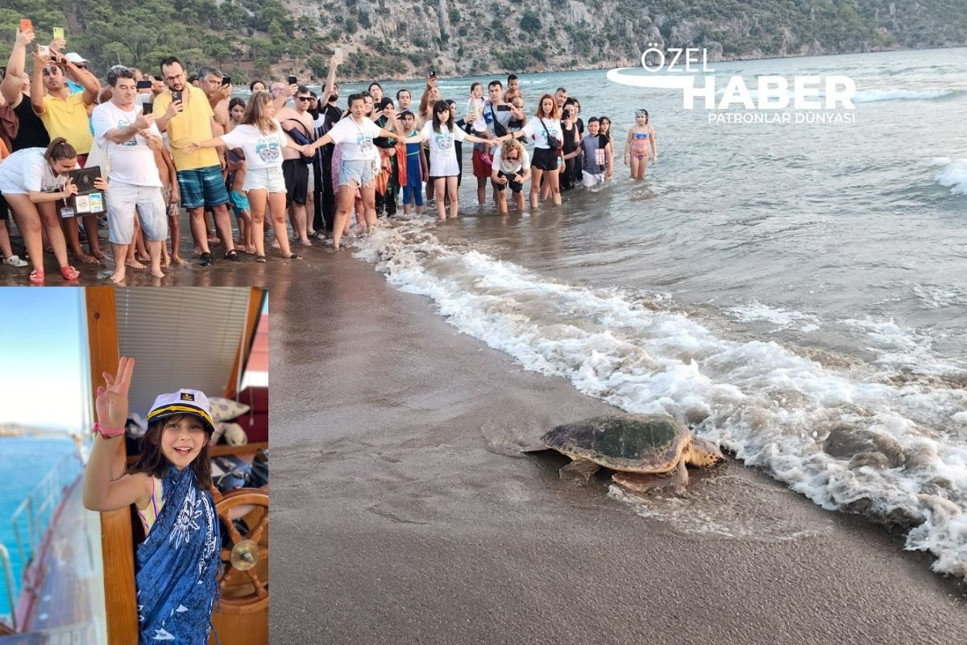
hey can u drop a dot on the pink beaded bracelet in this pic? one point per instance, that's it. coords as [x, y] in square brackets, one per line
[107, 433]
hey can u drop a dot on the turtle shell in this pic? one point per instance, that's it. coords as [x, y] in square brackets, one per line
[635, 443]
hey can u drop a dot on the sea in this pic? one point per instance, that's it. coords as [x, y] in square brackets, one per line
[792, 288]
[24, 462]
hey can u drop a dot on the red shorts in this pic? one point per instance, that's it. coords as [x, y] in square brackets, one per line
[481, 163]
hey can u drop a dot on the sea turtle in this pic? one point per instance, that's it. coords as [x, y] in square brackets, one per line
[644, 450]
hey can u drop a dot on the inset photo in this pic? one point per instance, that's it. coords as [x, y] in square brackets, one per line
[134, 436]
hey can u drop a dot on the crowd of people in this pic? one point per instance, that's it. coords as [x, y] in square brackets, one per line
[173, 141]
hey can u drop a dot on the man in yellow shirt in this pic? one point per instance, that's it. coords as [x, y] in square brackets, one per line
[200, 176]
[66, 115]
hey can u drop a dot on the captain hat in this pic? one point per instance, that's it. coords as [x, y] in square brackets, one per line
[184, 401]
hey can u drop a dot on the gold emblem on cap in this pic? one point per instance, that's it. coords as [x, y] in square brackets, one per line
[187, 396]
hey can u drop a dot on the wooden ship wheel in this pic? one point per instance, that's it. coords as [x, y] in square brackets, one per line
[243, 582]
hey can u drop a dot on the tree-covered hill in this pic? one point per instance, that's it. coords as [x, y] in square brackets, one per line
[381, 39]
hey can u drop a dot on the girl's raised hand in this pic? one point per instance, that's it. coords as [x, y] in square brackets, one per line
[112, 401]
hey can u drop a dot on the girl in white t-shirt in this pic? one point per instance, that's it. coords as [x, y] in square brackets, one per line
[354, 136]
[261, 138]
[547, 163]
[33, 180]
[441, 134]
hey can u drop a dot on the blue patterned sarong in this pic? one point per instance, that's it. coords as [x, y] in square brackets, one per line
[177, 565]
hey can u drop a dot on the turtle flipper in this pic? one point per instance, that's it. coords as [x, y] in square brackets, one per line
[579, 470]
[638, 483]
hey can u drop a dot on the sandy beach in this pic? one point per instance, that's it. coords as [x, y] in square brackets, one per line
[404, 511]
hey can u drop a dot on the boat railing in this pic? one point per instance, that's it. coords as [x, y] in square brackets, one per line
[33, 516]
[8, 578]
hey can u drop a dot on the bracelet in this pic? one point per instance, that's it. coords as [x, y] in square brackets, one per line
[107, 433]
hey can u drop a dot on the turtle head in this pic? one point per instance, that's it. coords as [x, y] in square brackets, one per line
[703, 453]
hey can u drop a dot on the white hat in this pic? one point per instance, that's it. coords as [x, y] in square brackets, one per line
[184, 401]
[76, 58]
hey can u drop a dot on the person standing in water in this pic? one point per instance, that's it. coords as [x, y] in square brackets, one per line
[641, 141]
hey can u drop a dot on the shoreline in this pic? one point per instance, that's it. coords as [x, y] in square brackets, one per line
[408, 514]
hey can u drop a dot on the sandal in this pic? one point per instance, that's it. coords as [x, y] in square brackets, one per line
[37, 276]
[292, 256]
[15, 261]
[232, 256]
[69, 273]
[260, 258]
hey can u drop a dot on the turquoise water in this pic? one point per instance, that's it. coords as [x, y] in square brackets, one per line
[771, 283]
[24, 462]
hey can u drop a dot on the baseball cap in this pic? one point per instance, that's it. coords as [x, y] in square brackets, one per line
[184, 401]
[76, 58]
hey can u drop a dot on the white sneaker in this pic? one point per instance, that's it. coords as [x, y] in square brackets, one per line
[15, 261]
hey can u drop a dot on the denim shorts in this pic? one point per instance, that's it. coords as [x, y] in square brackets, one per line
[360, 171]
[269, 179]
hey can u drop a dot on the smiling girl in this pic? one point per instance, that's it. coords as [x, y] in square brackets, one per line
[177, 564]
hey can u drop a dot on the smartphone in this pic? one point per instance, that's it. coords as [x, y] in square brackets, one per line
[3, 72]
[26, 25]
[58, 33]
[293, 80]
[503, 107]
[144, 85]
[148, 108]
[226, 80]
[43, 51]
[175, 96]
[432, 73]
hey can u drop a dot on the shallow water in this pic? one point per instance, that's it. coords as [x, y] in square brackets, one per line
[768, 283]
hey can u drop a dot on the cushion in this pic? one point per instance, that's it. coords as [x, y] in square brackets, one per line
[226, 409]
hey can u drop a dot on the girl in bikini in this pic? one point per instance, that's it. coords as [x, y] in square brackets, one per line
[641, 139]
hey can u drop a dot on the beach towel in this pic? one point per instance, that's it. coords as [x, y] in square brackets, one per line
[177, 565]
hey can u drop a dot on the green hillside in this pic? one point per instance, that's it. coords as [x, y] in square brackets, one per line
[250, 38]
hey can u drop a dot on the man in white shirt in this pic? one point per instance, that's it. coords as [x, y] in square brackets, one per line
[130, 137]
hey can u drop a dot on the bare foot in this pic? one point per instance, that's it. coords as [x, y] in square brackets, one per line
[117, 278]
[197, 250]
[99, 254]
[251, 250]
[305, 242]
[141, 258]
[134, 264]
[157, 273]
[177, 260]
[165, 261]
[275, 244]
[86, 259]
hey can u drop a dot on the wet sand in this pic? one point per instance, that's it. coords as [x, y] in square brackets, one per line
[404, 511]
[222, 273]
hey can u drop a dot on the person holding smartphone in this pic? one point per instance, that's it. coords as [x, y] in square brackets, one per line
[130, 137]
[185, 113]
[65, 115]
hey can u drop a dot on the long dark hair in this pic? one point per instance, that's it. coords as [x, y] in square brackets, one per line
[153, 462]
[442, 106]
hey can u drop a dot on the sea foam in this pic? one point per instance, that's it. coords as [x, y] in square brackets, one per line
[952, 175]
[771, 407]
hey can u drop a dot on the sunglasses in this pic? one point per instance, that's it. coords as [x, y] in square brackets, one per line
[50, 71]
[304, 98]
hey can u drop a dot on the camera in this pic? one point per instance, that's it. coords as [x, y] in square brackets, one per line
[226, 80]
[293, 80]
[175, 96]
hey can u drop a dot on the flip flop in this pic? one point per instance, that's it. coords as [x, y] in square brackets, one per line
[69, 273]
